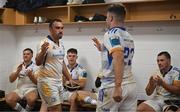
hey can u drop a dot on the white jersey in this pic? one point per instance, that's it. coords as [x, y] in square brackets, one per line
[53, 61]
[170, 76]
[23, 80]
[117, 38]
[78, 72]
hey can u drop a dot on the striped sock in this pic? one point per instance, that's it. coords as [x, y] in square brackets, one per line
[19, 108]
[28, 108]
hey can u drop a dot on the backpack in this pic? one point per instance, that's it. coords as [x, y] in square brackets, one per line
[2, 94]
[56, 2]
[10, 4]
[29, 5]
[93, 1]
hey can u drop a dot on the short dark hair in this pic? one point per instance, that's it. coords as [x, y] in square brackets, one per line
[52, 21]
[166, 54]
[28, 49]
[118, 10]
[72, 50]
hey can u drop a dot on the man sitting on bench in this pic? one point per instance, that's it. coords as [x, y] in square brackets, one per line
[164, 83]
[26, 87]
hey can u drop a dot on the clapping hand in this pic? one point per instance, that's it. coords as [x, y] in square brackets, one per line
[19, 68]
[28, 72]
[153, 80]
[159, 80]
[156, 80]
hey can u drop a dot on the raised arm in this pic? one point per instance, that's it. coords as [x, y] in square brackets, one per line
[15, 75]
[41, 55]
[151, 86]
[97, 43]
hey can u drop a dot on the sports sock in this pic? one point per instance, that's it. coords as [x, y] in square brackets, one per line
[90, 100]
[19, 108]
[28, 108]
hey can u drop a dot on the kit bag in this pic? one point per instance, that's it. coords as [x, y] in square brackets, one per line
[56, 2]
[2, 94]
[30, 5]
[93, 1]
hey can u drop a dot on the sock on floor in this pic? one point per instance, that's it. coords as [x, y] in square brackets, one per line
[90, 100]
[19, 108]
[28, 108]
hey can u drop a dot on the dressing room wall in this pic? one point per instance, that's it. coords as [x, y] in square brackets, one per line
[8, 55]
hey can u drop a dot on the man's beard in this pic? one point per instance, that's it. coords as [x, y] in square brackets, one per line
[59, 35]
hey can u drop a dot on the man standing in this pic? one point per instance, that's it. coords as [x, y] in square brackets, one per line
[118, 87]
[26, 87]
[165, 85]
[50, 58]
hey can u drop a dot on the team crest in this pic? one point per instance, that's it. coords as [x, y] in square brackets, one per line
[114, 41]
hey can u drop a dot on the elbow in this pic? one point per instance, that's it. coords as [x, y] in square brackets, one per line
[38, 63]
[82, 86]
[148, 92]
[35, 82]
[10, 80]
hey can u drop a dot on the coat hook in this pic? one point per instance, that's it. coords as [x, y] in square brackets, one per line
[159, 29]
[36, 28]
[130, 28]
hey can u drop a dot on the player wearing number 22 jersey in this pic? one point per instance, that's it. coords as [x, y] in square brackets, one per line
[117, 38]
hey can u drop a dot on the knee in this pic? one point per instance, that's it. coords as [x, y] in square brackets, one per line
[31, 100]
[142, 107]
[73, 98]
[55, 108]
[9, 99]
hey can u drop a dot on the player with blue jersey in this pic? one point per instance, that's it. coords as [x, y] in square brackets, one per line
[118, 87]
